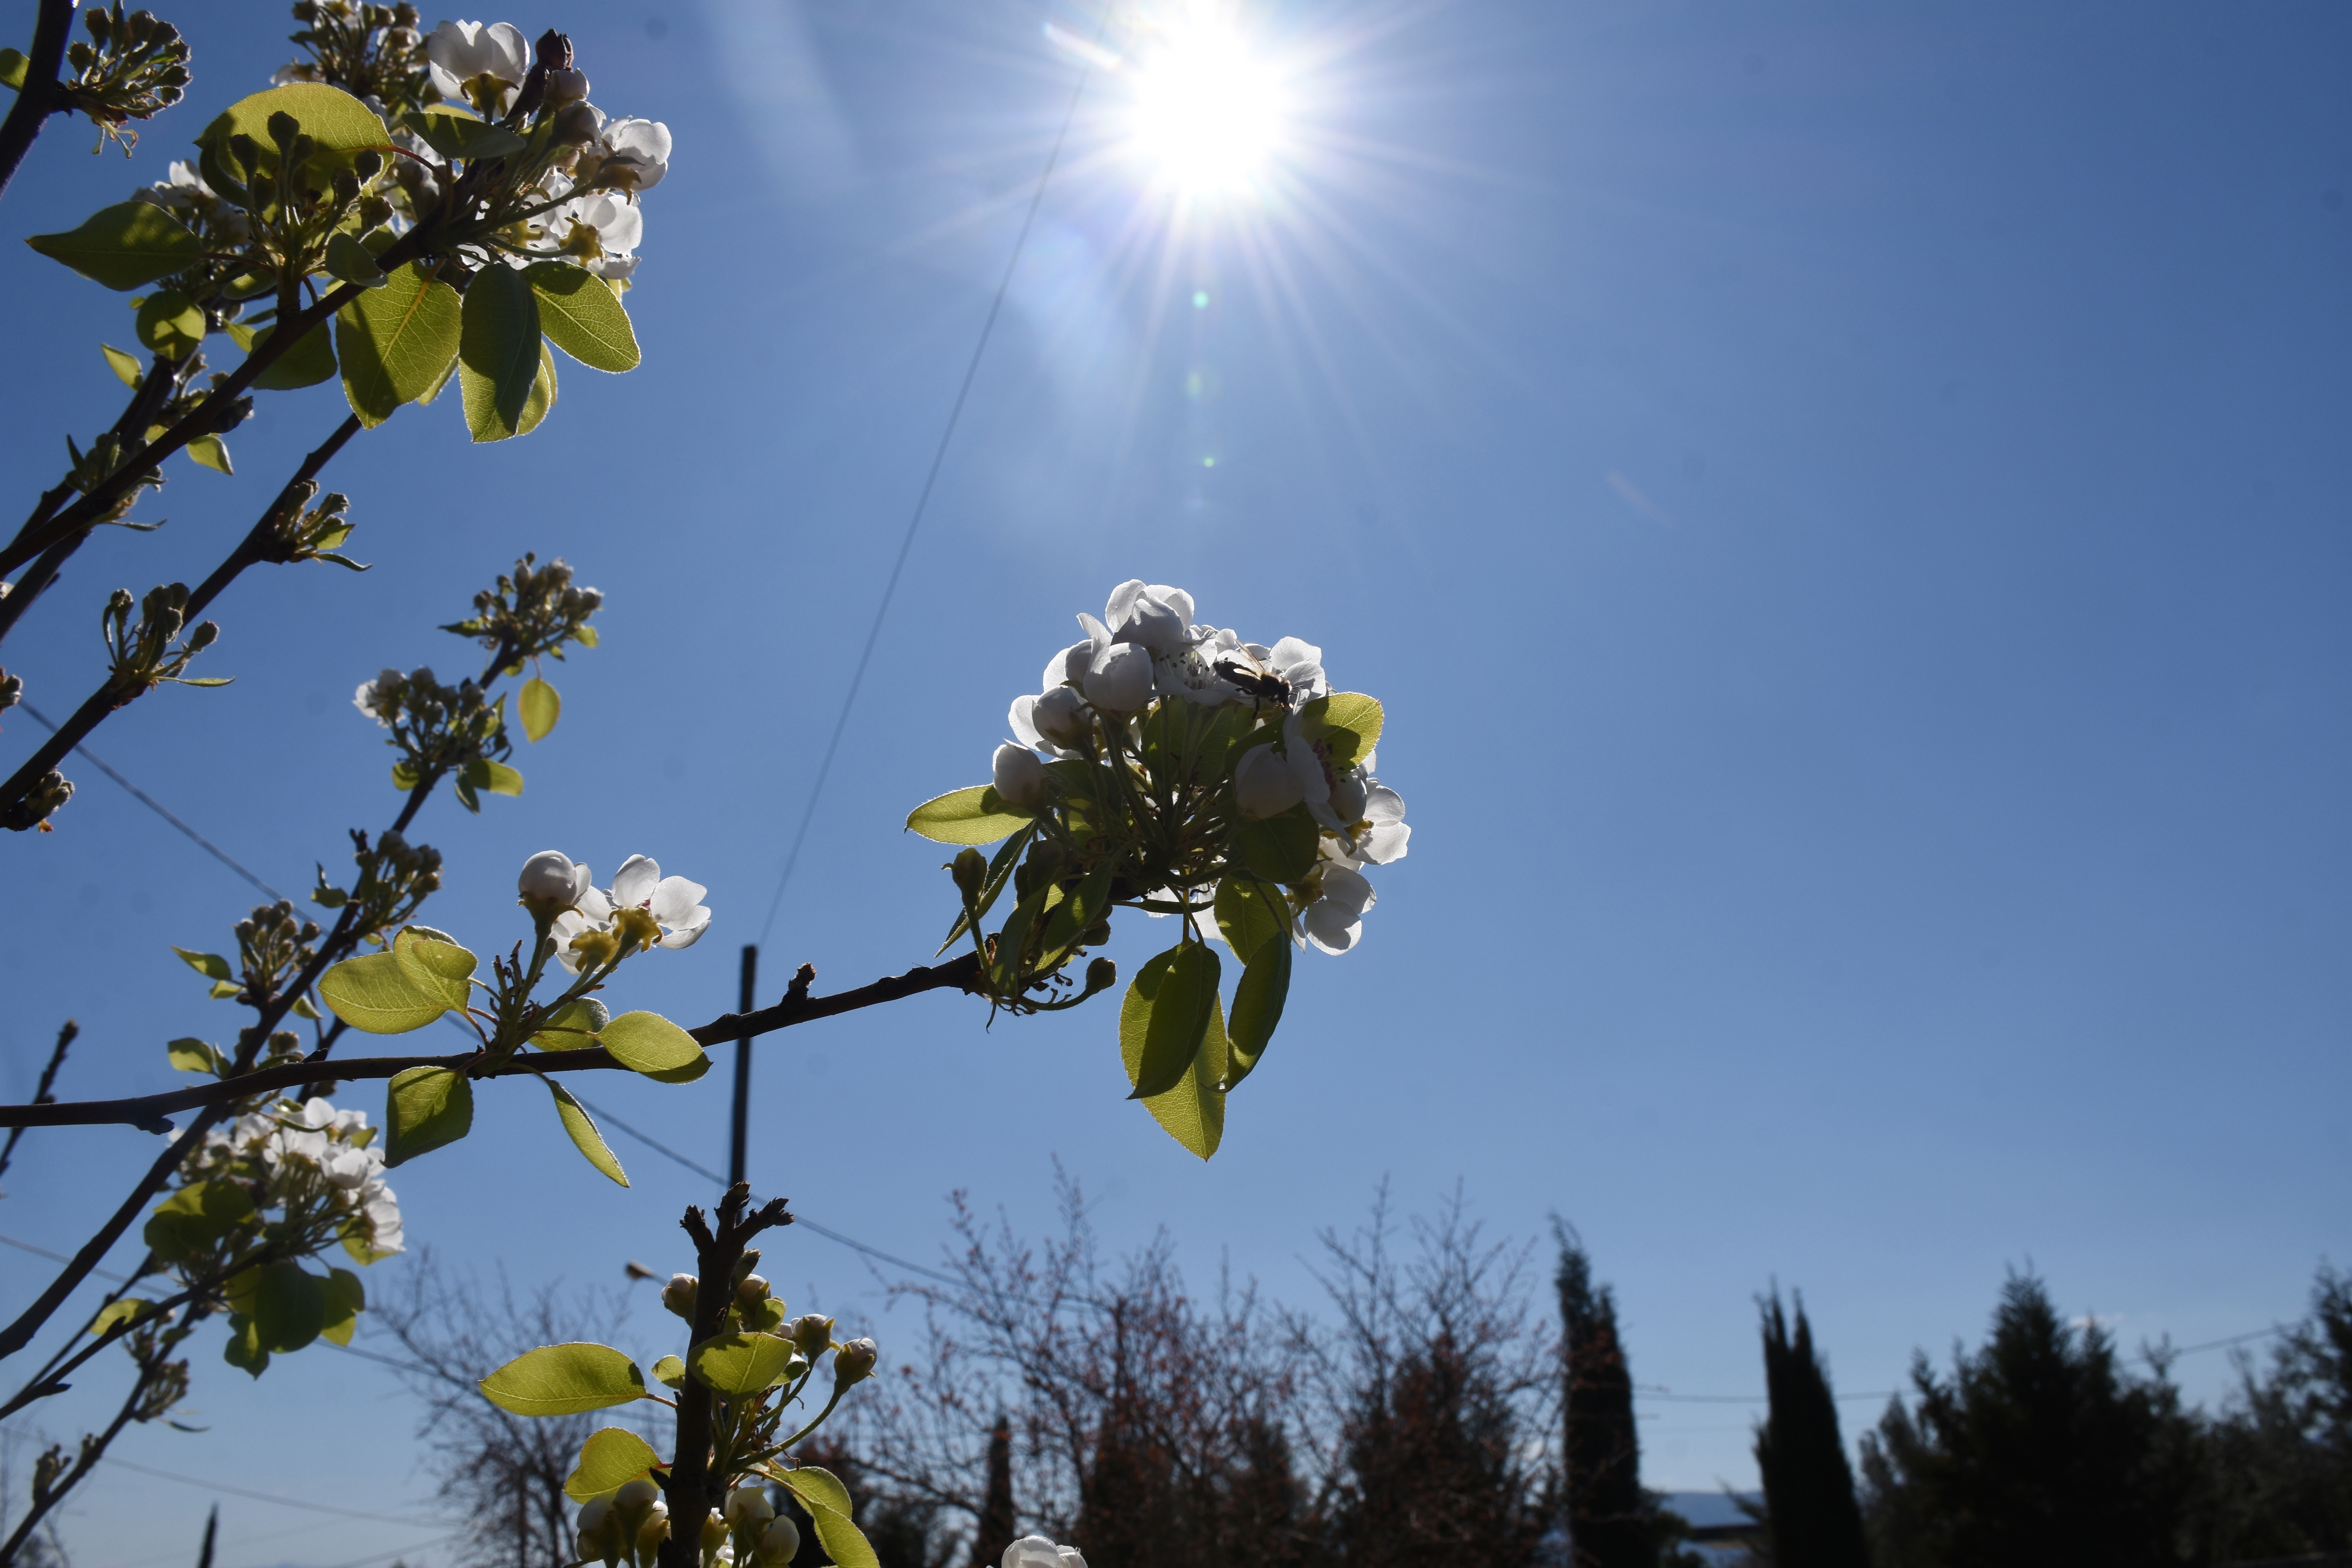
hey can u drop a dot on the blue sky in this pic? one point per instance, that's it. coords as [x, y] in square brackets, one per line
[1844, 505]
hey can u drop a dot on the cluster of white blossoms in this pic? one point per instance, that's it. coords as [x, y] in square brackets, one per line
[311, 1152]
[1147, 648]
[592, 217]
[593, 925]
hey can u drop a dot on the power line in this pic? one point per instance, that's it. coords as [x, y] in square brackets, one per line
[923, 500]
[152, 803]
[270, 1497]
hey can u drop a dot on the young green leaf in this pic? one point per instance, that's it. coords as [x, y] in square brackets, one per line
[541, 705]
[575, 1025]
[290, 1307]
[1249, 914]
[397, 343]
[346, 1300]
[482, 773]
[670, 1372]
[192, 1220]
[310, 360]
[498, 352]
[351, 262]
[211, 966]
[424, 1109]
[542, 393]
[130, 1310]
[1181, 1004]
[1074, 916]
[959, 816]
[584, 1136]
[1257, 1008]
[843, 1540]
[210, 452]
[1282, 849]
[338, 124]
[123, 246]
[125, 366]
[13, 66]
[564, 1380]
[441, 970]
[580, 315]
[195, 1056]
[820, 1491]
[169, 323]
[649, 1043]
[739, 1365]
[1005, 973]
[456, 136]
[372, 993]
[1193, 1112]
[1348, 723]
[610, 1460]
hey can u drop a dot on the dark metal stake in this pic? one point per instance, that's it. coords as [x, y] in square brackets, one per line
[743, 1068]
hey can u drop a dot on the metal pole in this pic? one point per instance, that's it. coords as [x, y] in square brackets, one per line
[743, 1066]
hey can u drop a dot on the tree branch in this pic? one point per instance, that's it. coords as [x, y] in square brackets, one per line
[39, 98]
[149, 1110]
[41, 1095]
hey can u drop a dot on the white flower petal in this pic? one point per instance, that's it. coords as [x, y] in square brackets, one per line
[1022, 717]
[689, 929]
[1330, 928]
[1383, 843]
[676, 898]
[635, 883]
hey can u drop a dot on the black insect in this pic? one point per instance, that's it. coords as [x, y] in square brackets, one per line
[1261, 687]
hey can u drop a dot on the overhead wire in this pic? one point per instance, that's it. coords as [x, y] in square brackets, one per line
[930, 478]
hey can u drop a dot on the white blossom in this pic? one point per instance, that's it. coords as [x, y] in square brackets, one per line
[675, 904]
[1019, 777]
[550, 876]
[1336, 919]
[1054, 720]
[461, 54]
[1120, 677]
[1036, 1551]
[629, 155]
[599, 230]
[1152, 614]
[374, 697]
[1265, 785]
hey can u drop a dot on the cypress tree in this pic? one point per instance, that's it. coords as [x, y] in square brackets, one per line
[998, 1528]
[1810, 1515]
[1609, 1519]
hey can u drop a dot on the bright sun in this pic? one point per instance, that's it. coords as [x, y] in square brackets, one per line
[1207, 112]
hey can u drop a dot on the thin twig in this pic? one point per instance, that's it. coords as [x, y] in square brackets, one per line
[41, 1095]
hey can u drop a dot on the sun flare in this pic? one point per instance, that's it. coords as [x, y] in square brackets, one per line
[1208, 111]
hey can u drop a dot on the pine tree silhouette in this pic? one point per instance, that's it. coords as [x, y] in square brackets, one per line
[1609, 1519]
[1810, 1515]
[998, 1528]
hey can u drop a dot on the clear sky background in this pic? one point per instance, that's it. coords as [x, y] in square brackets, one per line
[1845, 506]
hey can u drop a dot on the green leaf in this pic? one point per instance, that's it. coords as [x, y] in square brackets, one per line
[346, 1300]
[1247, 915]
[290, 1307]
[441, 970]
[584, 1136]
[610, 1460]
[13, 66]
[1282, 849]
[456, 136]
[542, 393]
[397, 343]
[649, 1043]
[310, 360]
[1193, 1112]
[1005, 973]
[498, 352]
[211, 966]
[670, 1372]
[686, 1074]
[244, 1350]
[224, 989]
[1348, 723]
[1257, 1008]
[574, 1026]
[999, 876]
[585, 636]
[1181, 1005]
[541, 705]
[130, 1310]
[350, 262]
[424, 1109]
[123, 246]
[374, 994]
[193, 1220]
[739, 1365]
[126, 366]
[195, 1056]
[580, 315]
[482, 773]
[960, 816]
[211, 452]
[169, 323]
[338, 125]
[564, 1380]
[820, 1491]
[1074, 916]
[843, 1540]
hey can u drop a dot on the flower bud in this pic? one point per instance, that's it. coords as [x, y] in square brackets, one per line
[749, 1506]
[854, 1363]
[812, 1332]
[969, 869]
[632, 1503]
[575, 124]
[551, 881]
[1101, 975]
[1071, 664]
[679, 1295]
[751, 1290]
[565, 87]
[1350, 795]
[1021, 778]
[1265, 784]
[1119, 678]
[778, 1542]
[598, 1536]
[1061, 716]
[653, 1532]
[714, 1536]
